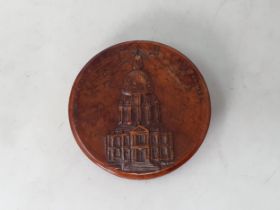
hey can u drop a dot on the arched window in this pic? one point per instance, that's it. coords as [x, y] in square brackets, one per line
[117, 141]
[155, 153]
[117, 153]
[126, 140]
[153, 140]
[127, 154]
[164, 139]
[140, 154]
[140, 139]
[164, 153]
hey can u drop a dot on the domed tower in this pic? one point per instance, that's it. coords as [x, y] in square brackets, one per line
[138, 105]
[139, 143]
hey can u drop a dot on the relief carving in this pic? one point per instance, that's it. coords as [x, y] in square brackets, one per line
[139, 143]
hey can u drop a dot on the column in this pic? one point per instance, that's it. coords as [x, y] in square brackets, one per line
[129, 114]
[121, 114]
[139, 114]
[147, 113]
[147, 142]
[122, 148]
[156, 112]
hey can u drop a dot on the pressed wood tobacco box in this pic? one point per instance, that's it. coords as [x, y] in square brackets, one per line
[139, 109]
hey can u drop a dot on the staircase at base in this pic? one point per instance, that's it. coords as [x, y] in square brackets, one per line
[140, 167]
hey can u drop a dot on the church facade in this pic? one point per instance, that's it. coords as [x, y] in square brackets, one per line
[139, 143]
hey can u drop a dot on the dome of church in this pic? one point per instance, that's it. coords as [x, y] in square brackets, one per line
[137, 82]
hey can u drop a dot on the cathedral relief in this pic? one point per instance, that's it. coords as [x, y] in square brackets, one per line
[140, 142]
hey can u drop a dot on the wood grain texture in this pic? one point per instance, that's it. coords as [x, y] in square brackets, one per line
[139, 90]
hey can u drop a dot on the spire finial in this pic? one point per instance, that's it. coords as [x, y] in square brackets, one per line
[138, 61]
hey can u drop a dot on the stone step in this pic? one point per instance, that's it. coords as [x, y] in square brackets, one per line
[138, 167]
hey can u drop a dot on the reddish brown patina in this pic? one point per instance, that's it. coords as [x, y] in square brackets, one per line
[139, 109]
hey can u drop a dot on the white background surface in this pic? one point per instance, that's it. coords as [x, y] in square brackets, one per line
[235, 44]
